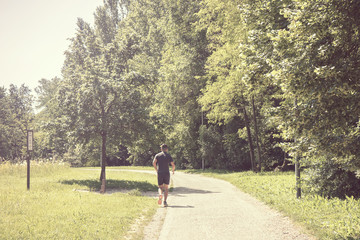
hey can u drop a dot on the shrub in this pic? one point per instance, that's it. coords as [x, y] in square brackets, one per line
[330, 179]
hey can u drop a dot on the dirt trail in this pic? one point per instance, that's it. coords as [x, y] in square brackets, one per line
[207, 208]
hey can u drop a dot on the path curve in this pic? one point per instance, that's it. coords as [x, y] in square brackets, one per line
[208, 208]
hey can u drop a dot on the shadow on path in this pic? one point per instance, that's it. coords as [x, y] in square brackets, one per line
[94, 185]
[177, 206]
[185, 190]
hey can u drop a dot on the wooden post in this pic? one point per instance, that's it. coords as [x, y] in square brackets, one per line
[298, 179]
[28, 171]
[29, 140]
[297, 162]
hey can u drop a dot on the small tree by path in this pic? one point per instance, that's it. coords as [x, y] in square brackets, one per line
[98, 97]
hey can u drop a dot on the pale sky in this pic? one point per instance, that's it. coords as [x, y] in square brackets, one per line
[33, 37]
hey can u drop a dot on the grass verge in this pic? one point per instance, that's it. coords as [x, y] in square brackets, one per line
[53, 210]
[325, 218]
[140, 168]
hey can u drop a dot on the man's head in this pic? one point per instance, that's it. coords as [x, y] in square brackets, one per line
[164, 147]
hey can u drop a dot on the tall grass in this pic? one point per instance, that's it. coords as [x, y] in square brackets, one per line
[38, 167]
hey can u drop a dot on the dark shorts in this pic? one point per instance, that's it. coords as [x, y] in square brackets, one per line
[163, 178]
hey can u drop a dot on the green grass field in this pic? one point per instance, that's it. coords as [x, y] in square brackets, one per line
[325, 218]
[53, 209]
[64, 203]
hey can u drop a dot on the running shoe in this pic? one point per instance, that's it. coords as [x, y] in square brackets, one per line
[160, 199]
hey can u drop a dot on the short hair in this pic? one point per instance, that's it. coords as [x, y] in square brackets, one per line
[163, 146]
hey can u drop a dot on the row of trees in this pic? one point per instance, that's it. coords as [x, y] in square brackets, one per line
[16, 115]
[234, 84]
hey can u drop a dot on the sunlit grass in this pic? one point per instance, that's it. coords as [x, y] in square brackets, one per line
[326, 218]
[139, 168]
[53, 210]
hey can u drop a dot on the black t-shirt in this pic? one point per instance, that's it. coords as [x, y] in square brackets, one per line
[163, 161]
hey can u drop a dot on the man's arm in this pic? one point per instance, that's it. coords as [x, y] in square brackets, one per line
[154, 164]
[173, 167]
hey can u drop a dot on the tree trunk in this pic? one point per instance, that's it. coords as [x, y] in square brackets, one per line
[202, 158]
[256, 133]
[103, 155]
[297, 176]
[247, 125]
[297, 162]
[284, 162]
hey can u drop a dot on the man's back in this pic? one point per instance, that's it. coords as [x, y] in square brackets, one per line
[163, 161]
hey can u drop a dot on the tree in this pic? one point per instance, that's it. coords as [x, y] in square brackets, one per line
[5, 122]
[16, 118]
[224, 97]
[316, 62]
[52, 140]
[98, 97]
[143, 35]
[169, 57]
[20, 103]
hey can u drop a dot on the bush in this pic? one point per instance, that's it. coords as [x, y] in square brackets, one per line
[330, 179]
[223, 149]
[211, 147]
[237, 154]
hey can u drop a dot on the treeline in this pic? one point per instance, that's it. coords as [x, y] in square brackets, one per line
[16, 116]
[227, 84]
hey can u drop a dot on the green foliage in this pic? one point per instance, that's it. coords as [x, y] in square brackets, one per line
[175, 107]
[225, 81]
[15, 119]
[211, 147]
[236, 151]
[314, 62]
[238, 71]
[221, 147]
[278, 53]
[4, 123]
[215, 80]
[329, 179]
[51, 139]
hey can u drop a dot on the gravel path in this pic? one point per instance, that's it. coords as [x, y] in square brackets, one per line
[207, 208]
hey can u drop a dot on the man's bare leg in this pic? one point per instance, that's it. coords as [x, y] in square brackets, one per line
[166, 188]
[160, 190]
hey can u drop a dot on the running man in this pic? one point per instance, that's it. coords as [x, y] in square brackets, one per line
[161, 164]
